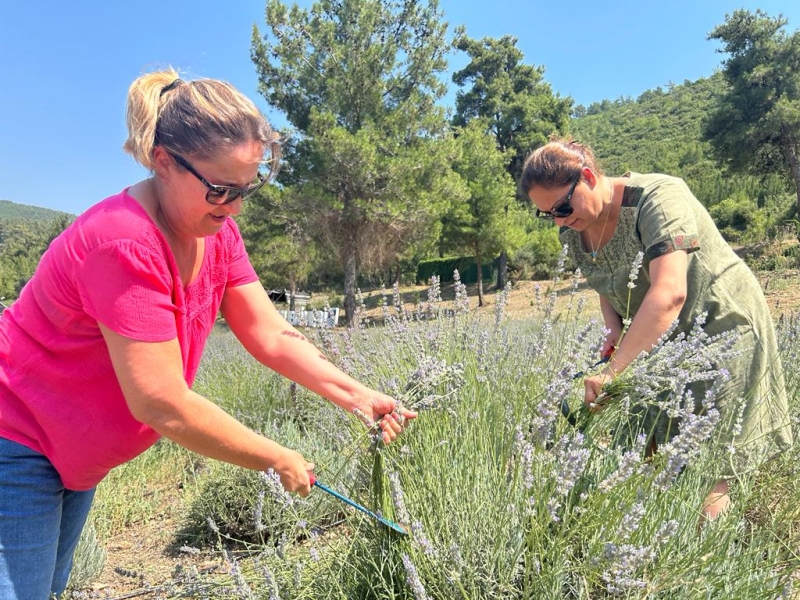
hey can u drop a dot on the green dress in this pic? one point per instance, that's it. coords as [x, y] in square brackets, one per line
[659, 215]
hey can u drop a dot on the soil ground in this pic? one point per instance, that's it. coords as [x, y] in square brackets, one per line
[141, 560]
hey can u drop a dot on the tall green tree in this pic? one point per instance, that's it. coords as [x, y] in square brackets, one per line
[489, 219]
[274, 228]
[518, 107]
[756, 127]
[359, 80]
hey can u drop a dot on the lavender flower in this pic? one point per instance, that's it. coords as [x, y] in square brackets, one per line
[413, 579]
[455, 556]
[635, 268]
[272, 484]
[525, 451]
[461, 303]
[571, 458]
[695, 430]
[421, 540]
[242, 589]
[258, 512]
[431, 374]
[628, 465]
[269, 581]
[398, 498]
[500, 305]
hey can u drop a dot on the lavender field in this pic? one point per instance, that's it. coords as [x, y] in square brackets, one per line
[502, 497]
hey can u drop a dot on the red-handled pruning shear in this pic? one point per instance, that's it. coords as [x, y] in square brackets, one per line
[387, 522]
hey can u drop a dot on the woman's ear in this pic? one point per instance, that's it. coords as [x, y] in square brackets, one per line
[589, 177]
[162, 161]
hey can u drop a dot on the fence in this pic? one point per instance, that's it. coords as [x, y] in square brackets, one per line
[312, 318]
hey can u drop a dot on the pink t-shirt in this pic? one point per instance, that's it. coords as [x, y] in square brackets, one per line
[58, 391]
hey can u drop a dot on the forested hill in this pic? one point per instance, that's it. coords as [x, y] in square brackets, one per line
[25, 232]
[660, 131]
[663, 131]
[12, 210]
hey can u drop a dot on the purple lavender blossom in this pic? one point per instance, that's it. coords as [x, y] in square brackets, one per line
[398, 497]
[272, 484]
[269, 580]
[421, 541]
[413, 579]
[571, 458]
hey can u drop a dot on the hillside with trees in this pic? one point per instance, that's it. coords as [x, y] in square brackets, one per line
[25, 233]
[665, 131]
[13, 211]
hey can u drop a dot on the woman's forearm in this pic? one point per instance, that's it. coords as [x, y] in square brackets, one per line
[661, 306]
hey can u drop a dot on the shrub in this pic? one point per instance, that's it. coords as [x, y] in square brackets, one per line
[537, 258]
[444, 268]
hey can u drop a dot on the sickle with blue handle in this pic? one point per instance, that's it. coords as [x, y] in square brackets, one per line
[347, 500]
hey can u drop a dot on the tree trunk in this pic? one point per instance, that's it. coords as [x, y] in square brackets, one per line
[480, 281]
[502, 269]
[292, 292]
[790, 152]
[350, 278]
[396, 278]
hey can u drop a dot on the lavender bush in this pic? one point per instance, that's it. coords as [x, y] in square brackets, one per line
[501, 496]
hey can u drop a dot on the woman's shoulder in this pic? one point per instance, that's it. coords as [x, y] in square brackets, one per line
[654, 182]
[653, 188]
[118, 218]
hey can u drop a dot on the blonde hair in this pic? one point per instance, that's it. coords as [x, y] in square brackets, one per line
[557, 163]
[196, 119]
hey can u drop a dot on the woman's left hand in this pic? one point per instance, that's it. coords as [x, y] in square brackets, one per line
[593, 396]
[383, 411]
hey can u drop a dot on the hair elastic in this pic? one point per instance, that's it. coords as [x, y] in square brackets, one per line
[171, 86]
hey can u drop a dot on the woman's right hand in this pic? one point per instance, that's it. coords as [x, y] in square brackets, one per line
[294, 471]
[609, 345]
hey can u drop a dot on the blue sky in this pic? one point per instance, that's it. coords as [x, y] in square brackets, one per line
[65, 68]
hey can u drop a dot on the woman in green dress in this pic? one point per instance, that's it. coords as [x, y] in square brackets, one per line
[688, 269]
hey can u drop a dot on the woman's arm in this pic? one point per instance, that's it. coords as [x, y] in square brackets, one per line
[151, 377]
[272, 341]
[613, 323]
[661, 306]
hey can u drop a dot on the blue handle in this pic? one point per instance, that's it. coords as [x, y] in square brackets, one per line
[346, 500]
[363, 509]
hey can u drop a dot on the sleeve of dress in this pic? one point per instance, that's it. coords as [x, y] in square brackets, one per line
[128, 288]
[240, 270]
[666, 219]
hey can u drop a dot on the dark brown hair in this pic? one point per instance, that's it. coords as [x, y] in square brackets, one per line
[557, 163]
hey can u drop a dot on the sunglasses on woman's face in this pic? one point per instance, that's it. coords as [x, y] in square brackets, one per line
[222, 194]
[562, 210]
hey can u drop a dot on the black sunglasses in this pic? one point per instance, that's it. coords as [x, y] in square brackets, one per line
[222, 194]
[562, 210]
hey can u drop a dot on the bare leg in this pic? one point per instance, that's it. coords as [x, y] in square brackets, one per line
[716, 502]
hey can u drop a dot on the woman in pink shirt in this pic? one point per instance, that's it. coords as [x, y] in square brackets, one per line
[98, 355]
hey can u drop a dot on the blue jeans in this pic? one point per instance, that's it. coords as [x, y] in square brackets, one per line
[40, 525]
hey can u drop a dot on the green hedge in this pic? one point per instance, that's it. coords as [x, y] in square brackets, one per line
[444, 267]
